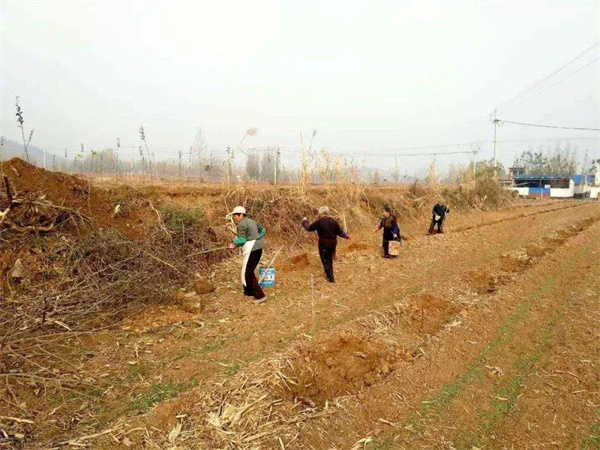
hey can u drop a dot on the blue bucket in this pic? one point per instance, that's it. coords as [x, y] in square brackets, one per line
[267, 276]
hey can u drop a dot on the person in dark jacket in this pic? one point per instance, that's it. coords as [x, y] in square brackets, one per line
[391, 231]
[328, 230]
[439, 213]
[250, 239]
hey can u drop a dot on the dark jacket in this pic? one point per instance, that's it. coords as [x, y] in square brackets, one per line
[440, 210]
[390, 227]
[328, 230]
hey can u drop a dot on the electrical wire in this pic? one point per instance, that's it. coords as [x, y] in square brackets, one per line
[553, 73]
[547, 126]
[569, 76]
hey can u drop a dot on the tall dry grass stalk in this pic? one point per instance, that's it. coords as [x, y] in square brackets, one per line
[433, 177]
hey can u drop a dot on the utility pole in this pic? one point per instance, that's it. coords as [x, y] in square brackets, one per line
[229, 152]
[131, 166]
[277, 155]
[117, 158]
[495, 151]
[475, 151]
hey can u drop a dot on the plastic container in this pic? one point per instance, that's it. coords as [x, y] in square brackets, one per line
[266, 277]
[394, 248]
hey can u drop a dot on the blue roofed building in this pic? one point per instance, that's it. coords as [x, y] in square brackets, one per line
[557, 186]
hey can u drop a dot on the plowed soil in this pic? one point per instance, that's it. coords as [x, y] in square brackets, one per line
[483, 337]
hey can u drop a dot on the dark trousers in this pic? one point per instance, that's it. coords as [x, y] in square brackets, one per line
[327, 254]
[252, 288]
[387, 237]
[440, 224]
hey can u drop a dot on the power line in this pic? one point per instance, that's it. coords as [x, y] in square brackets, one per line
[548, 126]
[553, 73]
[569, 76]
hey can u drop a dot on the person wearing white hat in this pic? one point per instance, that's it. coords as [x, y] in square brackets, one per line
[250, 238]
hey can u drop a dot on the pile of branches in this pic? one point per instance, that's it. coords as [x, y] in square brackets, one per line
[34, 213]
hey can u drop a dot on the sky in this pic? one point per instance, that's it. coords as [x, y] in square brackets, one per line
[373, 78]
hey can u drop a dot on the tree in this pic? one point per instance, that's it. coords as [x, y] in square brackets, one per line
[199, 148]
[267, 166]
[485, 169]
[561, 160]
[143, 138]
[253, 166]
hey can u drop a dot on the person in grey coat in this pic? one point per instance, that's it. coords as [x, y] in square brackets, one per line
[250, 239]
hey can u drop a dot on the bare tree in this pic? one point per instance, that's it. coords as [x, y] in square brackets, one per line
[199, 147]
[143, 138]
[253, 166]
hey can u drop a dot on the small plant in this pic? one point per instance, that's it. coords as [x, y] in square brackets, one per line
[20, 122]
[176, 218]
[159, 393]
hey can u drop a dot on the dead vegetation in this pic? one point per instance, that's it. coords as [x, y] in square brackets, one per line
[77, 260]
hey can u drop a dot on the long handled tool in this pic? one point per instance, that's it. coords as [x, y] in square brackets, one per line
[270, 264]
[207, 251]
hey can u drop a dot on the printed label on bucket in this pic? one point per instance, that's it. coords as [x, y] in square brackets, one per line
[267, 277]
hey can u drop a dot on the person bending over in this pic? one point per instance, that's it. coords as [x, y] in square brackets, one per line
[439, 213]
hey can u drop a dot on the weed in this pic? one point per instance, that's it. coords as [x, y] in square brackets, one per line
[177, 218]
[382, 445]
[234, 369]
[159, 393]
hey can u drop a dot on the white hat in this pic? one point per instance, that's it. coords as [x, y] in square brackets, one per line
[239, 210]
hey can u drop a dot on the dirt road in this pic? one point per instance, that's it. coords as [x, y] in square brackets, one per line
[484, 337]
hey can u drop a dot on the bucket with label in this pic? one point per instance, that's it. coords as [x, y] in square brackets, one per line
[266, 277]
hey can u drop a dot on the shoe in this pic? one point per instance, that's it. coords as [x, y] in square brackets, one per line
[331, 280]
[386, 256]
[258, 301]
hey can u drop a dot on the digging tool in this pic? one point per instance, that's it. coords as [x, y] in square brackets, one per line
[206, 251]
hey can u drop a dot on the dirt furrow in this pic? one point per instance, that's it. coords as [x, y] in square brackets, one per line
[409, 409]
[232, 335]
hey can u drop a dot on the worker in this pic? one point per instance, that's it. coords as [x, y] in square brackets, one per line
[391, 231]
[438, 216]
[250, 239]
[328, 230]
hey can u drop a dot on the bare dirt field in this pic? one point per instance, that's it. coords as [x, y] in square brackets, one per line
[484, 337]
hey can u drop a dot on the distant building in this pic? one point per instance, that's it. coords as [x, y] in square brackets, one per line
[556, 186]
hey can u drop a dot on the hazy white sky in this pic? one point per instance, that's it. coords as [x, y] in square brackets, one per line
[369, 76]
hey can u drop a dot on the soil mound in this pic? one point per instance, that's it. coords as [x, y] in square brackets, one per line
[294, 263]
[429, 313]
[60, 192]
[515, 262]
[339, 366]
[482, 281]
[58, 187]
